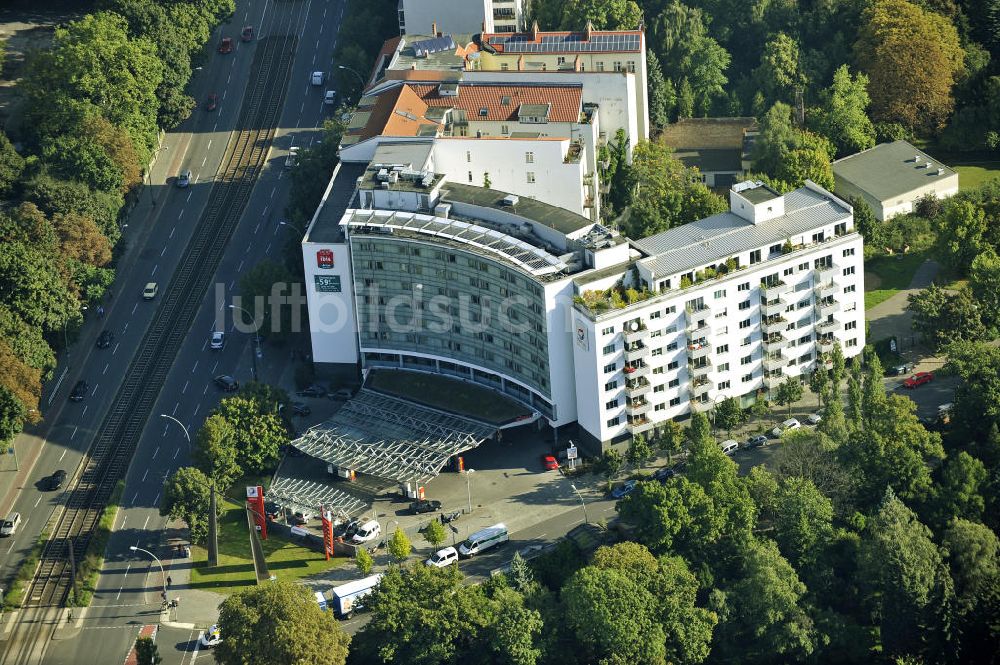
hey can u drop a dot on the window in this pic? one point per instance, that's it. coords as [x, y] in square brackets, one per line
[483, 112]
[618, 66]
[671, 310]
[613, 404]
[850, 325]
[468, 155]
[674, 383]
[848, 271]
[724, 367]
[718, 295]
[530, 175]
[672, 346]
[755, 256]
[614, 421]
[746, 340]
[745, 323]
[675, 401]
[505, 129]
[529, 158]
[504, 66]
[672, 365]
[850, 289]
[613, 367]
[774, 249]
[600, 66]
[608, 331]
[787, 272]
[658, 389]
[560, 60]
[745, 286]
[746, 360]
[804, 303]
[807, 358]
[851, 343]
[505, 100]
[802, 323]
[744, 305]
[659, 407]
[609, 349]
[804, 266]
[657, 370]
[747, 378]
[655, 315]
[470, 176]
[670, 330]
[849, 251]
[723, 385]
[611, 385]
[657, 352]
[805, 339]
[722, 348]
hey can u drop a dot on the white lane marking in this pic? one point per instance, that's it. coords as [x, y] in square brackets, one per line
[204, 392]
[314, 59]
[164, 434]
[170, 237]
[95, 389]
[154, 269]
[115, 350]
[11, 547]
[256, 228]
[176, 406]
[231, 284]
[134, 307]
[135, 498]
[106, 366]
[264, 211]
[181, 214]
[189, 195]
[273, 190]
[204, 345]
[195, 366]
[37, 501]
[123, 332]
[280, 173]
[84, 411]
[156, 499]
[127, 568]
[163, 251]
[70, 438]
[197, 178]
[317, 44]
[184, 389]
[249, 247]
[240, 268]
[229, 78]
[146, 523]
[122, 525]
[204, 159]
[175, 453]
[224, 94]
[194, 654]
[197, 407]
[155, 452]
[215, 127]
[302, 108]
[215, 366]
[268, 250]
[209, 147]
[144, 475]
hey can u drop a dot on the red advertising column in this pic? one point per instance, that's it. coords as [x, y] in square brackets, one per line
[327, 533]
[255, 497]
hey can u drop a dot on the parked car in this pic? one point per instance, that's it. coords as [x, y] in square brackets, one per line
[227, 383]
[247, 34]
[368, 531]
[624, 489]
[8, 527]
[814, 419]
[918, 379]
[312, 391]
[330, 97]
[272, 510]
[900, 370]
[550, 463]
[79, 391]
[786, 426]
[300, 409]
[105, 339]
[55, 481]
[442, 558]
[343, 393]
[729, 446]
[150, 290]
[226, 45]
[211, 637]
[424, 506]
[212, 102]
[756, 441]
[664, 474]
[184, 178]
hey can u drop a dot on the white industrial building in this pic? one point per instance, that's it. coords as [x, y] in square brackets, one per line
[408, 268]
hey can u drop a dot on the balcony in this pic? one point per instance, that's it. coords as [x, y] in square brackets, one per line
[698, 349]
[635, 351]
[774, 340]
[639, 424]
[638, 370]
[773, 380]
[638, 333]
[697, 406]
[776, 290]
[637, 387]
[826, 290]
[829, 327]
[772, 307]
[828, 308]
[637, 407]
[774, 324]
[825, 344]
[773, 361]
[826, 274]
[701, 385]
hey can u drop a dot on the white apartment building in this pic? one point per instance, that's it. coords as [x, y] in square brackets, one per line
[409, 269]
[461, 16]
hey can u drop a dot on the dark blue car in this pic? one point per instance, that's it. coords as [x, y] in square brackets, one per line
[624, 489]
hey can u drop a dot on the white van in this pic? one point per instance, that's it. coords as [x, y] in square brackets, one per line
[8, 527]
[443, 558]
[483, 540]
[370, 530]
[729, 447]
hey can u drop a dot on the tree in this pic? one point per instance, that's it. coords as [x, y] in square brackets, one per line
[602, 14]
[843, 118]
[34, 289]
[913, 91]
[834, 423]
[399, 545]
[520, 575]
[941, 317]
[363, 561]
[728, 415]
[973, 553]
[215, 451]
[611, 463]
[678, 516]
[837, 371]
[434, 533]
[639, 452]
[264, 290]
[253, 621]
[789, 391]
[910, 591]
[513, 635]
[23, 383]
[812, 457]
[146, 652]
[11, 163]
[819, 381]
[779, 73]
[258, 429]
[977, 409]
[186, 497]
[613, 617]
[12, 415]
[803, 522]
[662, 95]
[984, 280]
[959, 491]
[789, 154]
[854, 415]
[961, 233]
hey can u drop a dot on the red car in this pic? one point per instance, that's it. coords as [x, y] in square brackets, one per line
[918, 379]
[212, 102]
[247, 34]
[550, 463]
[226, 45]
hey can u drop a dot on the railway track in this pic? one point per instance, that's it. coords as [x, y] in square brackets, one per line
[109, 457]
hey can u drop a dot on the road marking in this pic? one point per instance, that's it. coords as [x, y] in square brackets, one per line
[156, 499]
[314, 59]
[229, 78]
[195, 365]
[155, 453]
[123, 332]
[209, 145]
[154, 269]
[280, 173]
[70, 438]
[232, 284]
[127, 568]
[176, 406]
[317, 45]
[37, 501]
[194, 654]
[181, 214]
[320, 31]
[215, 366]
[302, 108]
[215, 127]
[256, 228]
[175, 453]
[205, 391]
[189, 195]
[197, 407]
[268, 250]
[204, 159]
[164, 435]
[170, 237]
[163, 251]
[240, 268]
[184, 389]
[84, 411]
[122, 525]
[144, 475]
[134, 307]
[135, 498]
[273, 190]
[95, 389]
[115, 349]
[105, 369]
[224, 94]
[146, 523]
[264, 211]
[11, 547]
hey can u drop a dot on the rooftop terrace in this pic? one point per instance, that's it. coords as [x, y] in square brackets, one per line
[560, 219]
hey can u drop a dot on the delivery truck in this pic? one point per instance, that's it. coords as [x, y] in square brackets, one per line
[348, 598]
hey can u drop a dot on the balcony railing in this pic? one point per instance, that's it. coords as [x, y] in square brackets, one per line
[826, 274]
[826, 289]
[637, 387]
[698, 350]
[829, 326]
[772, 381]
[636, 371]
[826, 308]
[774, 339]
[635, 351]
[772, 307]
[774, 361]
[638, 335]
[697, 406]
[639, 424]
[825, 344]
[774, 324]
[637, 407]
[776, 290]
[699, 388]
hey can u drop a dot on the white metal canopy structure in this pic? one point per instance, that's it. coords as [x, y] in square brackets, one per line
[392, 438]
[309, 496]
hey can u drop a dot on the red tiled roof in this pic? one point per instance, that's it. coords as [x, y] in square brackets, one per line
[565, 100]
[398, 112]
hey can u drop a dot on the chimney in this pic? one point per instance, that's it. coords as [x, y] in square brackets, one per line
[576, 63]
[534, 31]
[520, 63]
[434, 29]
[589, 31]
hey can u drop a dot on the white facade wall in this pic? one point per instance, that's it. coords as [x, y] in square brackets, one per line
[450, 16]
[332, 314]
[944, 188]
[555, 182]
[562, 378]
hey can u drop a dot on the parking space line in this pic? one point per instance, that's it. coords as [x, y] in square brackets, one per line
[146, 523]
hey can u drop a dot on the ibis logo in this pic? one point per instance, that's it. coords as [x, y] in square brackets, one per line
[324, 258]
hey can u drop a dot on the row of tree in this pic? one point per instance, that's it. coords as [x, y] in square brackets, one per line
[94, 103]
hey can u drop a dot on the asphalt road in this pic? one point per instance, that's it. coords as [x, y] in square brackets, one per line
[124, 593]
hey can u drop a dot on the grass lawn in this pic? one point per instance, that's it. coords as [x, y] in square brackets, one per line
[974, 174]
[447, 394]
[286, 560]
[894, 273]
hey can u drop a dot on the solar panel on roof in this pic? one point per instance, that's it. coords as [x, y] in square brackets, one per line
[425, 47]
[571, 42]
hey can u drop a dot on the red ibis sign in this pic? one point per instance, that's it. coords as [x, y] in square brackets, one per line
[324, 258]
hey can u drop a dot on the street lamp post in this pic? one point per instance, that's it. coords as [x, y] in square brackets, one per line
[468, 486]
[583, 503]
[163, 575]
[256, 335]
[361, 79]
[213, 527]
[298, 228]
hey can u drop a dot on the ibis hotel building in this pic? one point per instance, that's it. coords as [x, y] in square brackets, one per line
[407, 269]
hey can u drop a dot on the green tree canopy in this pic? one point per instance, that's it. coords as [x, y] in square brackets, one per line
[677, 516]
[186, 497]
[842, 118]
[258, 429]
[215, 451]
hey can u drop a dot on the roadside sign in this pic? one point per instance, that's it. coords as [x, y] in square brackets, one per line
[571, 452]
